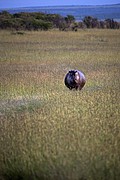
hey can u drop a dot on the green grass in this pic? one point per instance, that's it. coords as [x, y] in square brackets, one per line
[47, 131]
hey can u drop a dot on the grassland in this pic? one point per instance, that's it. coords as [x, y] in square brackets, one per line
[47, 131]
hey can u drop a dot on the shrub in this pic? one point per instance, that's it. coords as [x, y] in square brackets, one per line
[43, 21]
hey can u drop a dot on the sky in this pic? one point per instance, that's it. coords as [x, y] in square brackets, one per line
[28, 3]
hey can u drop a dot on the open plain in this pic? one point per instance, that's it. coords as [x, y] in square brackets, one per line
[47, 131]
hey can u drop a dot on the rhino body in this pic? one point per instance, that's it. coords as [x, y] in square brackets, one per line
[75, 79]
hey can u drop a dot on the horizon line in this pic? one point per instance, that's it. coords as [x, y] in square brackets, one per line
[60, 6]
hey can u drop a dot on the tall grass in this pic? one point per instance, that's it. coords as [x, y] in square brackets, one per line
[46, 130]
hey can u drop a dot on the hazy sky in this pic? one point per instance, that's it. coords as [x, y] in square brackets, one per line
[26, 3]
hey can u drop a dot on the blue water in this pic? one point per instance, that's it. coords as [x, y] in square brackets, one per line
[79, 12]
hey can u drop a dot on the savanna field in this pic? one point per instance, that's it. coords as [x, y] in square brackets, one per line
[48, 132]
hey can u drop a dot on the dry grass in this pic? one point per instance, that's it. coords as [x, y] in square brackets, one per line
[47, 131]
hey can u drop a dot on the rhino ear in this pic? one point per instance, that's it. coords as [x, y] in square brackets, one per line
[76, 73]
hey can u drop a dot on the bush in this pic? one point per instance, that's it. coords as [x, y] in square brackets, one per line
[40, 24]
[90, 22]
[43, 21]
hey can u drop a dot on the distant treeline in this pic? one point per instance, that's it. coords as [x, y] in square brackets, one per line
[43, 21]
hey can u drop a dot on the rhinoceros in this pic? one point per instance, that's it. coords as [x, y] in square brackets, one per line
[75, 79]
